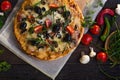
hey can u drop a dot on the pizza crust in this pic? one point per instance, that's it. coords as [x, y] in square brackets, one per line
[46, 54]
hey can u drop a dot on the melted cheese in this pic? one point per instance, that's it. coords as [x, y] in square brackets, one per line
[53, 17]
[58, 16]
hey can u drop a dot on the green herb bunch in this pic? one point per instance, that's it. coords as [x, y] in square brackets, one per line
[4, 66]
[114, 46]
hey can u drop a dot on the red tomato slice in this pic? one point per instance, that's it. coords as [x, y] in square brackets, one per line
[53, 5]
[48, 23]
[70, 29]
[5, 6]
[38, 29]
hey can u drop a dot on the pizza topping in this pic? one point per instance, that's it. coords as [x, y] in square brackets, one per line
[54, 44]
[43, 2]
[38, 10]
[38, 29]
[66, 14]
[49, 26]
[67, 38]
[53, 6]
[31, 18]
[23, 25]
[58, 35]
[56, 28]
[61, 9]
[48, 23]
[43, 9]
[31, 30]
[70, 29]
[28, 7]
[46, 35]
[33, 42]
[76, 36]
[20, 17]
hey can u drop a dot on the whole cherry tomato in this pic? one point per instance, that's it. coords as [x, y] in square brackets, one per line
[102, 56]
[95, 29]
[5, 6]
[86, 39]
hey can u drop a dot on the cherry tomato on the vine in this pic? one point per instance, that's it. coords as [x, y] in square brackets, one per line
[86, 39]
[6, 5]
[102, 56]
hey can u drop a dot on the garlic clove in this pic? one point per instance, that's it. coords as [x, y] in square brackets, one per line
[117, 10]
[118, 5]
[84, 59]
[92, 52]
[1, 14]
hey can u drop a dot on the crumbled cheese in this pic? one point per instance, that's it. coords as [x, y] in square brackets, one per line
[58, 16]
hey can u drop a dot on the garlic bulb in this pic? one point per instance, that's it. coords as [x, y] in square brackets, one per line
[92, 52]
[1, 14]
[84, 59]
[117, 10]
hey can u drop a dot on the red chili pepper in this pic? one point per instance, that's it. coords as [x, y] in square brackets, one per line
[100, 17]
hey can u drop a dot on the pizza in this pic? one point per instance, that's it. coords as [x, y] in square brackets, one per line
[48, 29]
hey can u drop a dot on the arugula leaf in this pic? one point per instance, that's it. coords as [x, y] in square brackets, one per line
[4, 66]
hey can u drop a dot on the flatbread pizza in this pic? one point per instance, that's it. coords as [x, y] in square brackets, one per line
[48, 29]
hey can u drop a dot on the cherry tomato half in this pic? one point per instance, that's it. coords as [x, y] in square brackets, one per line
[95, 29]
[86, 39]
[48, 23]
[38, 29]
[5, 6]
[102, 56]
[53, 5]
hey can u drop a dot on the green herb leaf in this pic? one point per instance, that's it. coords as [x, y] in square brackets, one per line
[1, 51]
[37, 3]
[4, 66]
[100, 3]
[31, 30]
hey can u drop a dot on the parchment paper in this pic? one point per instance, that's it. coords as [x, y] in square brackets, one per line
[50, 68]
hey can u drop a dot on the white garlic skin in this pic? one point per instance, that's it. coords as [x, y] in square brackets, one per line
[117, 10]
[84, 59]
[92, 52]
[1, 14]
